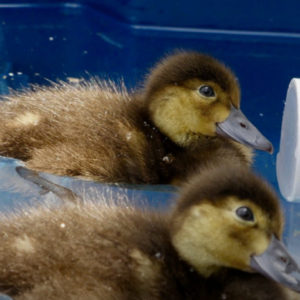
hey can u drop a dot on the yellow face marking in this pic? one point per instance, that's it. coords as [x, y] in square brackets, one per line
[146, 269]
[23, 244]
[183, 114]
[210, 236]
[26, 119]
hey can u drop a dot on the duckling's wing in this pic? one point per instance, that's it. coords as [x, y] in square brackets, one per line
[46, 185]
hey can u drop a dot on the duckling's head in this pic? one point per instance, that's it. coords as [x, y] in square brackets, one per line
[228, 217]
[190, 95]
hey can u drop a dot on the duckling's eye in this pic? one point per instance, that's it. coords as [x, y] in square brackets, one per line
[245, 213]
[207, 91]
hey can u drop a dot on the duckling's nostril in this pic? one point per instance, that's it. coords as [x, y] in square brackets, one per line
[283, 259]
[243, 125]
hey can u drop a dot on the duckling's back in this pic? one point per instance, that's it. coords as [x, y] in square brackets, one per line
[79, 252]
[93, 129]
[92, 251]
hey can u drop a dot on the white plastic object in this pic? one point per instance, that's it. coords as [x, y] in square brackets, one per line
[288, 158]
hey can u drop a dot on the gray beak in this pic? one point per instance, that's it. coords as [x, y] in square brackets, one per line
[240, 129]
[277, 264]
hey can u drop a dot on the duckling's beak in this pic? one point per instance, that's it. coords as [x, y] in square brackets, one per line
[277, 264]
[240, 129]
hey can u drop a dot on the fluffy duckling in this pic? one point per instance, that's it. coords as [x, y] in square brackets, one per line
[225, 224]
[183, 116]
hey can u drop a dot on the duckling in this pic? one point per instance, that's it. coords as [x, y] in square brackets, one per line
[225, 225]
[182, 118]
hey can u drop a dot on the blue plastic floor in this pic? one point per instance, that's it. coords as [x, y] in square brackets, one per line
[56, 41]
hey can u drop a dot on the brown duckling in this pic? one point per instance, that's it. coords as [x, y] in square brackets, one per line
[182, 118]
[226, 223]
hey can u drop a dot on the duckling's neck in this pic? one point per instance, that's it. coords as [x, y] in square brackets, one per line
[196, 255]
[200, 260]
[182, 137]
[206, 270]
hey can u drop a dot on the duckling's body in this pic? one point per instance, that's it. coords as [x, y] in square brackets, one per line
[99, 131]
[106, 251]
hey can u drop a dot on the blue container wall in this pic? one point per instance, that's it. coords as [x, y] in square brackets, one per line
[275, 16]
[229, 14]
[259, 40]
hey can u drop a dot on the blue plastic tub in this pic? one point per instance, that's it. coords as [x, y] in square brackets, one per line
[50, 40]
